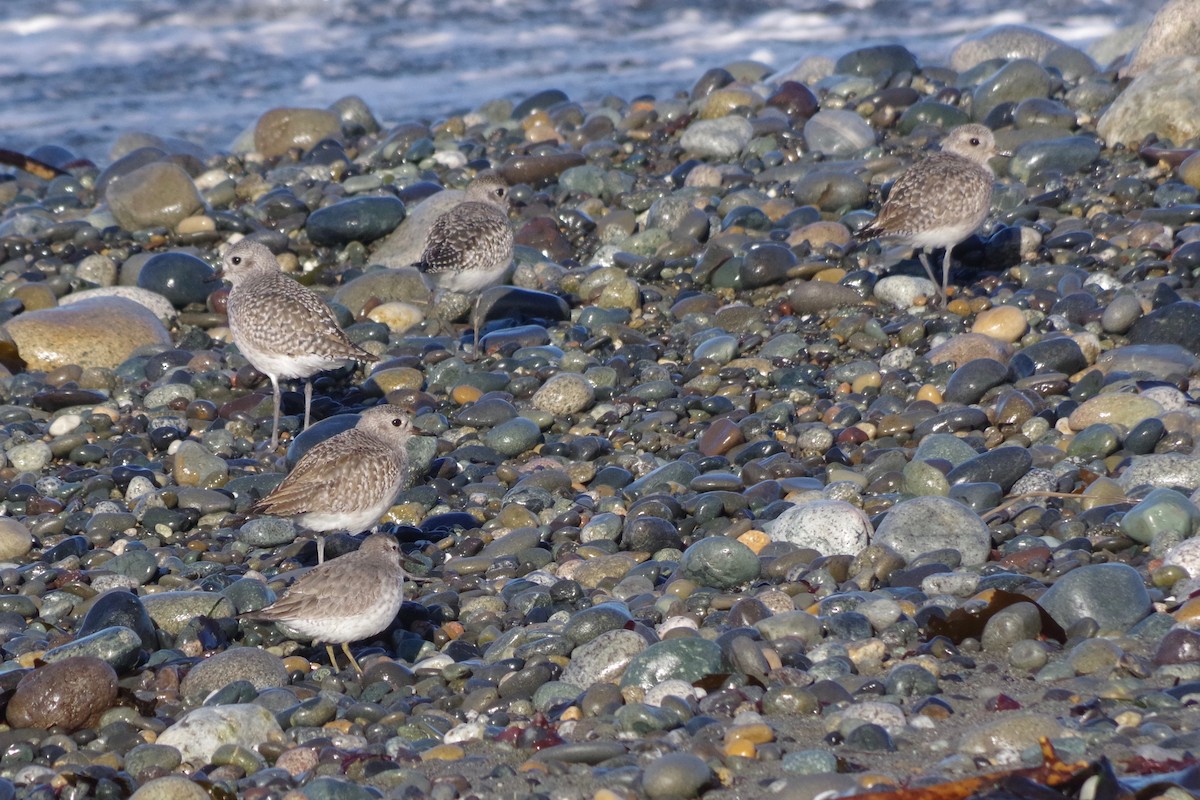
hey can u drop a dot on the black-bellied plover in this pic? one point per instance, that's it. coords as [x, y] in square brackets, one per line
[346, 599]
[283, 329]
[348, 481]
[470, 246]
[940, 200]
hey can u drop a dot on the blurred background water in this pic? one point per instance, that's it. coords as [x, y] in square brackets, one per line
[78, 73]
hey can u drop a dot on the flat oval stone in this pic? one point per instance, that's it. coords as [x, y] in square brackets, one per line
[924, 524]
[720, 562]
[1118, 408]
[182, 278]
[1004, 465]
[973, 379]
[687, 659]
[359, 219]
[1114, 595]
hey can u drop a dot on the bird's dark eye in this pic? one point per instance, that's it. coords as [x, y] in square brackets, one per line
[974, 142]
[397, 422]
[499, 193]
[235, 260]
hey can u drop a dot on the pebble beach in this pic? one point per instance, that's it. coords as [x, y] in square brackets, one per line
[720, 506]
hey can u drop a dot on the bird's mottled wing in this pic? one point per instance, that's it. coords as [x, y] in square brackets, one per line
[331, 478]
[954, 180]
[471, 235]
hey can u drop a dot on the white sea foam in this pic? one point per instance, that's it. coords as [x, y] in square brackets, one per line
[80, 72]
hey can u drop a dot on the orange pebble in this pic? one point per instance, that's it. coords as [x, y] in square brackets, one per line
[755, 540]
[1189, 611]
[463, 394]
[929, 392]
[742, 748]
[443, 752]
[758, 733]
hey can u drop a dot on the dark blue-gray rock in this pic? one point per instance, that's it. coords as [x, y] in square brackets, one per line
[588, 623]
[119, 647]
[650, 534]
[1114, 595]
[680, 472]
[971, 381]
[1049, 355]
[1067, 155]
[119, 608]
[925, 524]
[881, 60]
[1004, 465]
[675, 776]
[182, 278]
[1012, 83]
[720, 562]
[1177, 323]
[359, 219]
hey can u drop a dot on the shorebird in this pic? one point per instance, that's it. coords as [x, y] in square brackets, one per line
[470, 246]
[346, 599]
[348, 481]
[283, 329]
[940, 200]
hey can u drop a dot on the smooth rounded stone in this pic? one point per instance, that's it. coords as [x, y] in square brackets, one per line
[117, 646]
[1049, 355]
[1173, 32]
[1162, 101]
[1174, 324]
[836, 132]
[281, 130]
[1094, 441]
[828, 190]
[1165, 361]
[159, 194]
[650, 534]
[1163, 511]
[686, 659]
[719, 349]
[924, 524]
[965, 346]
[888, 716]
[196, 466]
[1092, 656]
[404, 284]
[99, 333]
[564, 394]
[119, 608]
[603, 659]
[1114, 595]
[199, 733]
[1017, 80]
[722, 138]
[511, 438]
[680, 472]
[720, 562]
[1006, 323]
[902, 291]
[30, 457]
[70, 694]
[15, 539]
[944, 447]
[1067, 155]
[1119, 408]
[588, 623]
[811, 297]
[765, 265]
[971, 381]
[1002, 739]
[171, 611]
[262, 669]
[1120, 315]
[359, 219]
[831, 527]
[171, 787]
[1011, 625]
[182, 278]
[267, 532]
[881, 60]
[675, 776]
[1004, 465]
[1005, 42]
[799, 624]
[1161, 470]
[922, 478]
[1179, 646]
[158, 305]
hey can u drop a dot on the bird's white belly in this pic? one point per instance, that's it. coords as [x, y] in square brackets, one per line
[351, 522]
[944, 236]
[284, 366]
[351, 629]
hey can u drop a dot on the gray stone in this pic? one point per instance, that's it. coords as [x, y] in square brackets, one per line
[262, 669]
[199, 733]
[930, 523]
[831, 527]
[724, 137]
[1114, 595]
[1163, 100]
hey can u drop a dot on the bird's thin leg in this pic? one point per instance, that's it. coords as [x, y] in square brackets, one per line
[320, 549]
[475, 325]
[275, 416]
[332, 659]
[946, 274]
[928, 269]
[307, 401]
[349, 655]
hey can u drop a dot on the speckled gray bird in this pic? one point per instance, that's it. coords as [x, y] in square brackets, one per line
[348, 481]
[346, 599]
[283, 329]
[940, 200]
[470, 246]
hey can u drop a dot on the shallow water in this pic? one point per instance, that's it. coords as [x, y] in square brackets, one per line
[80, 72]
